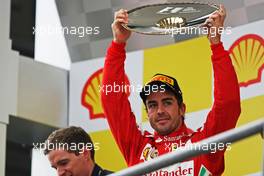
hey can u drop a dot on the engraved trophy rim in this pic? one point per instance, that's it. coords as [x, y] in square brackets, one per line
[155, 27]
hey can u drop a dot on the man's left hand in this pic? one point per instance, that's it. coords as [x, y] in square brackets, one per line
[214, 23]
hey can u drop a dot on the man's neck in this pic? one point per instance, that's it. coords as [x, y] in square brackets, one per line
[90, 168]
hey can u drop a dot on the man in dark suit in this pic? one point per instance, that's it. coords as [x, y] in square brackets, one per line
[71, 152]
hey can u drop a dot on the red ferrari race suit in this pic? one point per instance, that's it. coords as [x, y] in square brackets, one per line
[137, 147]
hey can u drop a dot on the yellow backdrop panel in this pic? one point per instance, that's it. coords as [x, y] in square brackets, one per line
[108, 156]
[246, 156]
[189, 62]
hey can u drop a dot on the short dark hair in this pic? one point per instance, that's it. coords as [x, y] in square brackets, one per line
[69, 136]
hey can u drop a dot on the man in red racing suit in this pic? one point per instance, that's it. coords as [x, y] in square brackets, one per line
[166, 109]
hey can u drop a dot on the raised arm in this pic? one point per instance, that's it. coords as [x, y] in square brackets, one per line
[116, 106]
[226, 107]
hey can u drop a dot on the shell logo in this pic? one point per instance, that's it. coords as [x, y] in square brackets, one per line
[247, 54]
[146, 152]
[91, 94]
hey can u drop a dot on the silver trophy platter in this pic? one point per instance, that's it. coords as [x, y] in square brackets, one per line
[164, 18]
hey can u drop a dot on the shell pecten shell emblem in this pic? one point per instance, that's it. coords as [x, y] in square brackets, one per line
[91, 94]
[247, 54]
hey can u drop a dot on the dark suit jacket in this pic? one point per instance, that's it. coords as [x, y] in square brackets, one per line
[98, 171]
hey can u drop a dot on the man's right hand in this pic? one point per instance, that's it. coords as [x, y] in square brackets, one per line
[120, 33]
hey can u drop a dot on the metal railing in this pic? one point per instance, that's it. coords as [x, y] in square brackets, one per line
[195, 149]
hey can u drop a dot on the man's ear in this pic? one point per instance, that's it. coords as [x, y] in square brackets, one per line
[182, 109]
[86, 154]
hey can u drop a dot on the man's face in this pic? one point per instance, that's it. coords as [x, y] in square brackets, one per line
[69, 164]
[165, 115]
